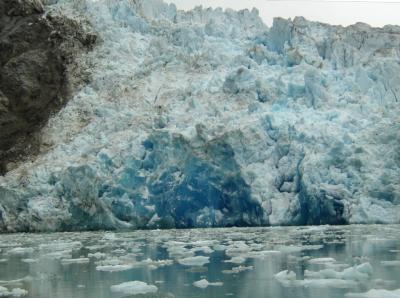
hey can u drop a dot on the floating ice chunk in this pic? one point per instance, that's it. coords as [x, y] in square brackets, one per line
[134, 288]
[384, 283]
[64, 254]
[390, 263]
[29, 261]
[179, 251]
[289, 249]
[321, 260]
[109, 236]
[238, 269]
[286, 275]
[97, 255]
[156, 264]
[361, 272]
[16, 282]
[311, 247]
[75, 261]
[236, 260]
[61, 246]
[204, 249]
[17, 292]
[237, 248]
[20, 251]
[220, 247]
[95, 247]
[3, 291]
[330, 283]
[288, 279]
[202, 284]
[374, 293]
[347, 278]
[262, 254]
[119, 251]
[194, 261]
[202, 243]
[113, 268]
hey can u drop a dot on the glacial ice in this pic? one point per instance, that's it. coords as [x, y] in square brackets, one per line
[134, 288]
[350, 277]
[16, 292]
[203, 283]
[75, 261]
[376, 293]
[194, 261]
[208, 118]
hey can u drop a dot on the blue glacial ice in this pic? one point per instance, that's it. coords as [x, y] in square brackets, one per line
[209, 118]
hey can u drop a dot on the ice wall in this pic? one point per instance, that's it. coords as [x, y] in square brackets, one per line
[209, 118]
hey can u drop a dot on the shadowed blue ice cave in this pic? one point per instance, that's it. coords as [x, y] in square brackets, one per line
[186, 186]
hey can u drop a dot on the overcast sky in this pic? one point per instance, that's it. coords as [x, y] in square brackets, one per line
[346, 12]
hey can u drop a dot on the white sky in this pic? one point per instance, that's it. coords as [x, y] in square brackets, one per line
[346, 12]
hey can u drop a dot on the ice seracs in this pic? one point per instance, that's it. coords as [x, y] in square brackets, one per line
[208, 118]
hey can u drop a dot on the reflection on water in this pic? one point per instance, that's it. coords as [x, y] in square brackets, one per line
[326, 261]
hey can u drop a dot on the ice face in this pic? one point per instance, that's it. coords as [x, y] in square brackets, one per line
[208, 118]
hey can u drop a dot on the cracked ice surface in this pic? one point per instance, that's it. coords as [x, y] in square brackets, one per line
[209, 118]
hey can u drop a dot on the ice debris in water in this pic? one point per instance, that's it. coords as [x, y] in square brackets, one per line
[16, 292]
[286, 275]
[97, 255]
[134, 288]
[362, 272]
[114, 268]
[321, 260]
[390, 263]
[20, 251]
[75, 261]
[348, 278]
[375, 293]
[203, 283]
[238, 269]
[194, 261]
[138, 252]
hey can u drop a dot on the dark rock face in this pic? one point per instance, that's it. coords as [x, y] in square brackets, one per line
[37, 59]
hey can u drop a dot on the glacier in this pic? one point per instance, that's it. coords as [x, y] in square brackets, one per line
[209, 118]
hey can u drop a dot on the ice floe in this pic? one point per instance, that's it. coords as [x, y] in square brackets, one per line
[203, 283]
[134, 288]
[194, 261]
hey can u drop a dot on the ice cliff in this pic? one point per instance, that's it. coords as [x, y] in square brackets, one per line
[209, 118]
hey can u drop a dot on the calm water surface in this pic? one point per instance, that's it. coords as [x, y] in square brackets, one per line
[326, 261]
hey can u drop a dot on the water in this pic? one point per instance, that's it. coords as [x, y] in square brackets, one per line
[70, 264]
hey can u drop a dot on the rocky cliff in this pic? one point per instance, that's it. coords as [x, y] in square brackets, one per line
[38, 72]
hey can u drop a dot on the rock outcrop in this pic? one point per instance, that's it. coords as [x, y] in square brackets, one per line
[38, 71]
